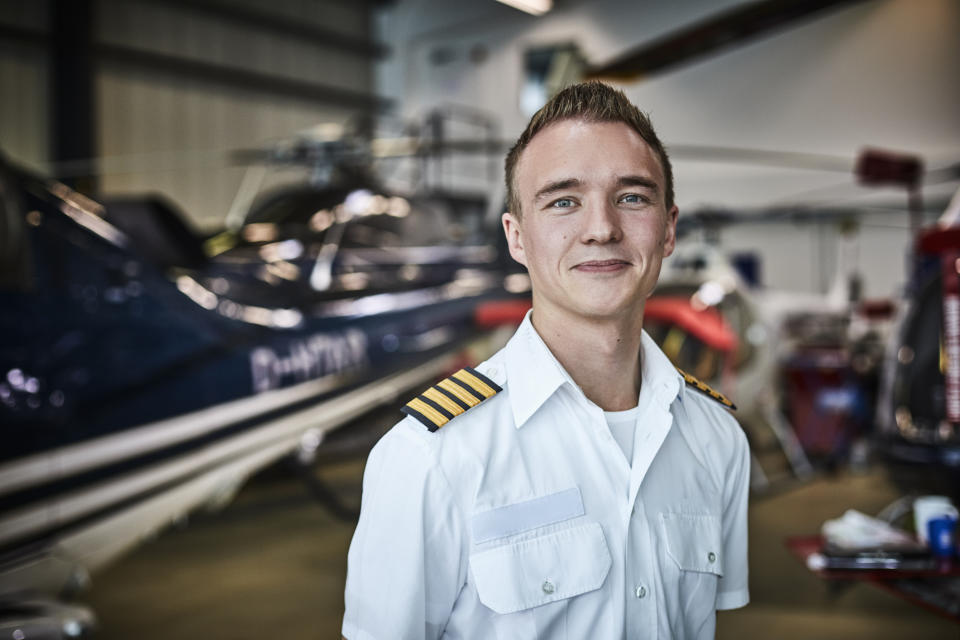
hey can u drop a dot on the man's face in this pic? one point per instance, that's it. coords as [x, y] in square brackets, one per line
[594, 229]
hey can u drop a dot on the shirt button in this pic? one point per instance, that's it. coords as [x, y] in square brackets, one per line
[712, 557]
[641, 591]
[548, 587]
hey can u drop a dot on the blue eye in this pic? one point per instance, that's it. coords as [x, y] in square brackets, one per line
[563, 203]
[633, 198]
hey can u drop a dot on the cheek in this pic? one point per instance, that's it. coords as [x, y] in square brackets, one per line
[547, 246]
[657, 235]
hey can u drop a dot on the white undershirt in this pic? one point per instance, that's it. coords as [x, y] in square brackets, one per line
[623, 425]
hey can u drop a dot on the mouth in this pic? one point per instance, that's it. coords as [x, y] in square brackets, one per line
[602, 266]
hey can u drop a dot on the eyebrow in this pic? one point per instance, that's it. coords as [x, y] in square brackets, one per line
[559, 185]
[638, 181]
[622, 181]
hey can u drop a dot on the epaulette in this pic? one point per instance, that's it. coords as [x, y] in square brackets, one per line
[450, 397]
[702, 387]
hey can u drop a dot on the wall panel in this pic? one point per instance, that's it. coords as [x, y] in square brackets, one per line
[176, 136]
[23, 85]
[178, 31]
[23, 107]
[169, 128]
[177, 132]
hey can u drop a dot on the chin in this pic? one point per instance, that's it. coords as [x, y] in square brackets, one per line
[605, 310]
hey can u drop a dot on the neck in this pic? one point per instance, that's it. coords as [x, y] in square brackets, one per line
[602, 356]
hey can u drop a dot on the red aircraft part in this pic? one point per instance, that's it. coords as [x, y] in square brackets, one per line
[707, 325]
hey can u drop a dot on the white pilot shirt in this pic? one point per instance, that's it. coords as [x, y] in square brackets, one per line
[521, 518]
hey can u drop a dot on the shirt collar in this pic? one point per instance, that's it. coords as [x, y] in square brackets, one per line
[658, 374]
[534, 374]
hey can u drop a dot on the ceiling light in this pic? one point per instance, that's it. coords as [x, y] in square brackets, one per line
[535, 7]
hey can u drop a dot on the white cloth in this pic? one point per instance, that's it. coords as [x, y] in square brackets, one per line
[521, 519]
[623, 425]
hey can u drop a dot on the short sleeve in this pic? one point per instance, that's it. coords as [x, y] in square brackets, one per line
[733, 589]
[405, 566]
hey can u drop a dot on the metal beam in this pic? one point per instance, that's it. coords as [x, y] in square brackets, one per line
[24, 35]
[287, 27]
[223, 75]
[235, 77]
[722, 31]
[72, 99]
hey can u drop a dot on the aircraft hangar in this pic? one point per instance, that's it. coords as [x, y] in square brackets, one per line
[239, 238]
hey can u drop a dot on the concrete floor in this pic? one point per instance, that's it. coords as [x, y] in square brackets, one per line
[272, 565]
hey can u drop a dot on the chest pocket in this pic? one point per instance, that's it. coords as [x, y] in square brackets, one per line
[694, 541]
[540, 570]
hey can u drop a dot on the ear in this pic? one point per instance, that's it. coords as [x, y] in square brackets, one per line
[511, 228]
[670, 233]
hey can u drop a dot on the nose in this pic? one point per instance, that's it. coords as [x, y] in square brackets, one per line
[601, 224]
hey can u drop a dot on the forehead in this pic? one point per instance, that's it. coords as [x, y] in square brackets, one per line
[592, 152]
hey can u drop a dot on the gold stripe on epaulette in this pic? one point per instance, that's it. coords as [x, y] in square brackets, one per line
[436, 418]
[478, 385]
[444, 402]
[459, 391]
[703, 387]
[451, 397]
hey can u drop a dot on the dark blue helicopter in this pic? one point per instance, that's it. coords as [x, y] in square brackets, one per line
[145, 370]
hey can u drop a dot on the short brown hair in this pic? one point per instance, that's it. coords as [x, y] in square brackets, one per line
[592, 102]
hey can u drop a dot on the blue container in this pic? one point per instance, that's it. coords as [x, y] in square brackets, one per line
[941, 533]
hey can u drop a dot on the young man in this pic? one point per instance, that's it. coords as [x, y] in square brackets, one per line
[578, 488]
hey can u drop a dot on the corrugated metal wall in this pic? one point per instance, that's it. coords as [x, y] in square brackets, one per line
[180, 82]
[23, 85]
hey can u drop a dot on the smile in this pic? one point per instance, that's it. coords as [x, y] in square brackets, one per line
[602, 266]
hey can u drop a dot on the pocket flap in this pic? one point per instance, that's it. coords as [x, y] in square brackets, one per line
[694, 541]
[544, 569]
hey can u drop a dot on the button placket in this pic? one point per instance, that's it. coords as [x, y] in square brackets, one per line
[598, 423]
